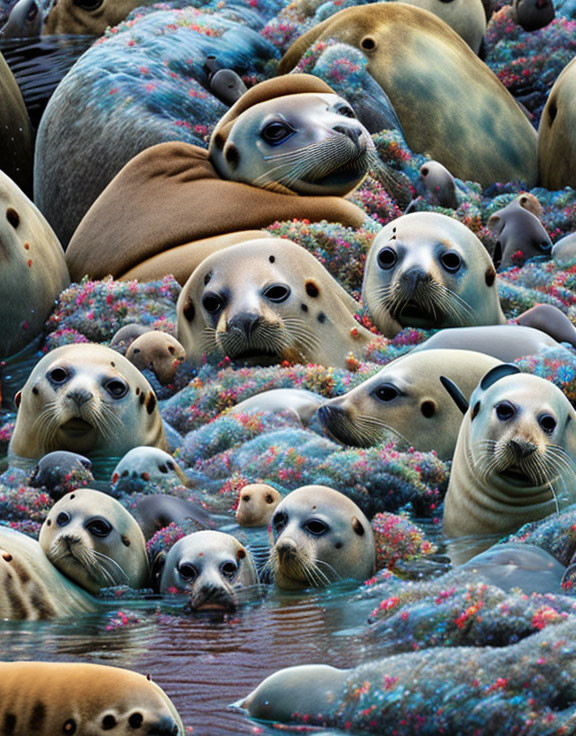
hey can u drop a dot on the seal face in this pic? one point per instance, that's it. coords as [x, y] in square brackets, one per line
[406, 399]
[146, 464]
[256, 504]
[78, 698]
[264, 302]
[159, 352]
[310, 144]
[514, 459]
[428, 270]
[95, 541]
[210, 567]
[320, 536]
[84, 398]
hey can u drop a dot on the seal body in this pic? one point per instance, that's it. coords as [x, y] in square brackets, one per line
[450, 105]
[320, 536]
[48, 698]
[16, 146]
[93, 540]
[160, 510]
[34, 271]
[266, 301]
[210, 567]
[428, 270]
[84, 398]
[514, 459]
[556, 137]
[407, 400]
[57, 469]
[564, 250]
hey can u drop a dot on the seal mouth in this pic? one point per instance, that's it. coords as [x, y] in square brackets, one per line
[256, 357]
[412, 313]
[76, 427]
[515, 476]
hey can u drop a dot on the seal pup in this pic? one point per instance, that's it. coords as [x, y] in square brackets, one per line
[519, 235]
[437, 185]
[57, 469]
[266, 301]
[49, 698]
[299, 402]
[556, 138]
[149, 465]
[256, 504]
[564, 250]
[514, 459]
[159, 352]
[211, 568]
[320, 536]
[93, 540]
[34, 271]
[451, 107]
[428, 270]
[407, 400]
[84, 398]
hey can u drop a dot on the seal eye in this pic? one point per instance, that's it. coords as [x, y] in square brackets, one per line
[451, 261]
[63, 518]
[89, 5]
[99, 527]
[279, 522]
[316, 527]
[277, 293]
[212, 302]
[505, 411]
[108, 722]
[188, 571]
[545, 247]
[69, 727]
[276, 132]
[58, 376]
[229, 569]
[116, 388]
[346, 110]
[386, 392]
[547, 422]
[136, 720]
[269, 498]
[387, 258]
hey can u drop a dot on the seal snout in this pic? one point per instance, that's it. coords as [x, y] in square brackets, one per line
[287, 551]
[80, 396]
[353, 132]
[522, 449]
[246, 323]
[165, 726]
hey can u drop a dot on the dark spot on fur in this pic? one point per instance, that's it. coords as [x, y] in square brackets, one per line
[7, 557]
[321, 318]
[142, 398]
[272, 259]
[232, 155]
[72, 497]
[357, 526]
[304, 307]
[151, 403]
[13, 217]
[490, 276]
[338, 545]
[428, 409]
[49, 522]
[552, 111]
[207, 278]
[136, 350]
[18, 399]
[219, 141]
[137, 390]
[189, 311]
[312, 289]
[475, 411]
[125, 541]
[241, 554]
[113, 364]
[9, 725]
[368, 43]
[35, 391]
[37, 718]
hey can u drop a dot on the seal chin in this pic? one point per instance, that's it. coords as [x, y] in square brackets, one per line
[340, 181]
[416, 314]
[76, 427]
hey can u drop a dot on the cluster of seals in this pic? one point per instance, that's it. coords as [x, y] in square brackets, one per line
[48, 698]
[406, 399]
[428, 270]
[34, 271]
[16, 146]
[514, 460]
[519, 233]
[450, 105]
[264, 302]
[95, 542]
[320, 536]
[85, 398]
[211, 568]
[199, 203]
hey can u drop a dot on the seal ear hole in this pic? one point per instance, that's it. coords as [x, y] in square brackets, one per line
[357, 526]
[241, 554]
[428, 409]
[490, 276]
[150, 403]
[108, 722]
[424, 171]
[368, 43]
[136, 351]
[18, 399]
[312, 289]
[189, 310]
[125, 541]
[271, 259]
[232, 155]
[475, 410]
[219, 141]
[13, 217]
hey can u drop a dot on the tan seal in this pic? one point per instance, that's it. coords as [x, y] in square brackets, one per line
[86, 17]
[34, 271]
[211, 568]
[320, 536]
[266, 301]
[159, 352]
[407, 400]
[256, 504]
[452, 108]
[93, 540]
[556, 137]
[49, 698]
[514, 459]
[85, 398]
[428, 270]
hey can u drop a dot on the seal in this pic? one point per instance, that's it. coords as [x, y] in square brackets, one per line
[24, 21]
[48, 698]
[32, 588]
[256, 504]
[149, 465]
[551, 320]
[211, 568]
[406, 399]
[266, 301]
[16, 141]
[320, 536]
[198, 203]
[56, 469]
[556, 139]
[34, 271]
[451, 107]
[519, 234]
[93, 540]
[437, 185]
[84, 398]
[160, 510]
[159, 352]
[428, 270]
[533, 14]
[514, 459]
[126, 335]
[86, 17]
[564, 250]
[299, 402]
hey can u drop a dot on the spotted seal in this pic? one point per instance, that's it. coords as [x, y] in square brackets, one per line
[85, 398]
[266, 301]
[320, 536]
[428, 270]
[93, 540]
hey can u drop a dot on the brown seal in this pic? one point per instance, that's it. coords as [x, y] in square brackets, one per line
[86, 17]
[256, 504]
[159, 352]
